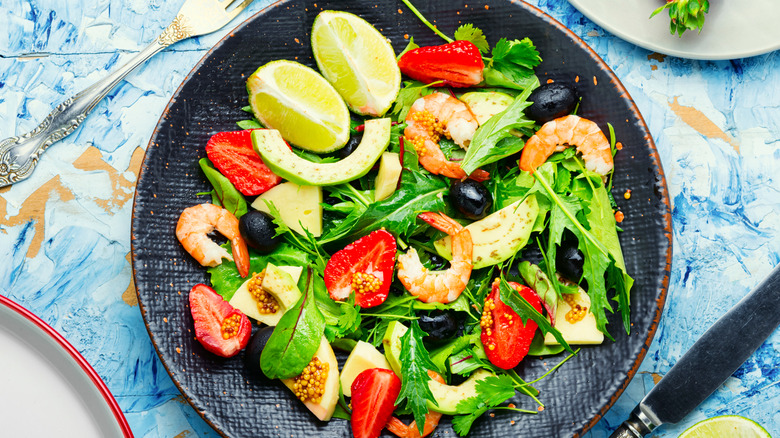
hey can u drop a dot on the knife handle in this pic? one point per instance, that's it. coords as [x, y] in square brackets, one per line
[634, 427]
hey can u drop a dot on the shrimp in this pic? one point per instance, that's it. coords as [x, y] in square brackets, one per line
[439, 286]
[432, 117]
[556, 135]
[432, 418]
[196, 222]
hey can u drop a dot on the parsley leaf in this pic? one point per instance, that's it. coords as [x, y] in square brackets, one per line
[491, 392]
[410, 46]
[411, 91]
[512, 65]
[467, 32]
[415, 364]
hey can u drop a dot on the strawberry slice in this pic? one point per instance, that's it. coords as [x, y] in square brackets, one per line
[232, 153]
[365, 266]
[505, 337]
[374, 392]
[458, 64]
[220, 327]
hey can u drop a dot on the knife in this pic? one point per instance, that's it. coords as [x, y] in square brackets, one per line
[710, 361]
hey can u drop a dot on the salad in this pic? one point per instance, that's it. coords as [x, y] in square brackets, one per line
[480, 238]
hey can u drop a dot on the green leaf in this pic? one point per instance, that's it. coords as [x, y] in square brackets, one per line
[398, 213]
[224, 193]
[487, 146]
[506, 78]
[411, 91]
[491, 392]
[415, 364]
[410, 46]
[250, 124]
[295, 339]
[526, 311]
[467, 32]
[536, 279]
[516, 54]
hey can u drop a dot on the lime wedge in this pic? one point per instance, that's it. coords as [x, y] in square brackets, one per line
[731, 426]
[300, 104]
[357, 60]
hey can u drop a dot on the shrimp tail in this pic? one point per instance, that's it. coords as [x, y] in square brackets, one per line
[441, 222]
[240, 255]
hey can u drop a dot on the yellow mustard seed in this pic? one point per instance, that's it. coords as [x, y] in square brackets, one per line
[309, 386]
[266, 303]
[230, 326]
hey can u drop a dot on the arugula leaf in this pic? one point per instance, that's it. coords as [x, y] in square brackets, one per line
[224, 193]
[295, 339]
[415, 364]
[398, 213]
[526, 311]
[467, 32]
[491, 392]
[494, 139]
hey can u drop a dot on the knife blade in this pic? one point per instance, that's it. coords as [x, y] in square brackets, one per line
[710, 361]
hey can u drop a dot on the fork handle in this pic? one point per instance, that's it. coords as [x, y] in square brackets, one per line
[20, 154]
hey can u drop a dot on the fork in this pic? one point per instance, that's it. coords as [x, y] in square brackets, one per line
[19, 155]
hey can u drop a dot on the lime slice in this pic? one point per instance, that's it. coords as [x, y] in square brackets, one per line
[300, 104]
[731, 426]
[357, 60]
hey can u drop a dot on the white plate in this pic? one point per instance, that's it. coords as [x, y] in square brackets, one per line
[732, 29]
[47, 388]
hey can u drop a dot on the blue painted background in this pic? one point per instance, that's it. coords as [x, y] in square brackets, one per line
[65, 240]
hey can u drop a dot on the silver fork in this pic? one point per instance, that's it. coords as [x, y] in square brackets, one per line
[19, 155]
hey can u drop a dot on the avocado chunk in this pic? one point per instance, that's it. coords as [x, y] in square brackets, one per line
[448, 396]
[486, 104]
[387, 179]
[363, 357]
[392, 343]
[299, 206]
[330, 396]
[268, 143]
[579, 328]
[280, 282]
[498, 236]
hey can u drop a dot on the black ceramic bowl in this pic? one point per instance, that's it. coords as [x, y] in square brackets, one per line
[237, 403]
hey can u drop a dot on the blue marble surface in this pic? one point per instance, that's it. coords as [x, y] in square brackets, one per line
[65, 232]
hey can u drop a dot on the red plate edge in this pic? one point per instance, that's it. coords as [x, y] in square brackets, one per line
[74, 353]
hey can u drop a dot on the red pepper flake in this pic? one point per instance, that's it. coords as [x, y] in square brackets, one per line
[540, 408]
[550, 81]
[619, 216]
[406, 36]
[487, 7]
[400, 11]
[577, 79]
[619, 146]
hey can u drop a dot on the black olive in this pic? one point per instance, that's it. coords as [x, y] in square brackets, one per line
[439, 324]
[471, 198]
[438, 263]
[350, 147]
[569, 260]
[255, 349]
[551, 101]
[259, 230]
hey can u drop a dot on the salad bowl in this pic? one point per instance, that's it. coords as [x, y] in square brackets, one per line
[238, 401]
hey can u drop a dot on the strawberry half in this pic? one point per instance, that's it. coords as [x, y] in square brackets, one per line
[374, 392]
[232, 153]
[458, 64]
[220, 327]
[366, 266]
[505, 338]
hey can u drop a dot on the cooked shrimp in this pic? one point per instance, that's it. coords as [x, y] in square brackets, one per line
[196, 222]
[439, 286]
[432, 117]
[432, 418]
[556, 135]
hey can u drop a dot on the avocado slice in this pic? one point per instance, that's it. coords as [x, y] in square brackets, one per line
[447, 396]
[387, 179]
[486, 104]
[498, 236]
[279, 281]
[330, 397]
[300, 207]
[268, 143]
[363, 357]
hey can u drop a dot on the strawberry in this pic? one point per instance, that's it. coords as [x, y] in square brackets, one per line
[458, 64]
[232, 153]
[374, 392]
[221, 328]
[366, 266]
[505, 337]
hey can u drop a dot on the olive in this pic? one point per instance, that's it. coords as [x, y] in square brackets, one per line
[439, 324]
[255, 348]
[470, 198]
[259, 231]
[551, 101]
[438, 262]
[350, 147]
[569, 260]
